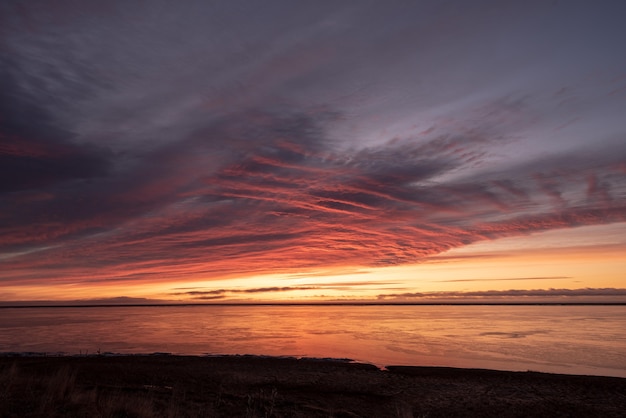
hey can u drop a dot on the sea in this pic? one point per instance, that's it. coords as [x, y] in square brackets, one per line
[580, 339]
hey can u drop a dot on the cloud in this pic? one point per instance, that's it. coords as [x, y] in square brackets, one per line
[35, 152]
[283, 197]
[322, 273]
[223, 292]
[277, 144]
[518, 295]
[201, 292]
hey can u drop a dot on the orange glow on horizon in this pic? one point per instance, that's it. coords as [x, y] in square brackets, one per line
[522, 263]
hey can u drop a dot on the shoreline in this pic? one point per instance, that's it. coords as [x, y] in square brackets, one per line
[161, 384]
[380, 366]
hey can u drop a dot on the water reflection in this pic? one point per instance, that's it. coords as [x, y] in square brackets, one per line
[563, 339]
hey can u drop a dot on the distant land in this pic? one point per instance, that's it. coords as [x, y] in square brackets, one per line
[153, 303]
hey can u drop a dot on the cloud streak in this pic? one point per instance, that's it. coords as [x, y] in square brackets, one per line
[202, 293]
[518, 295]
[289, 200]
[199, 144]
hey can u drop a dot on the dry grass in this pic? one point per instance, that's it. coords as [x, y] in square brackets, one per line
[57, 395]
[177, 387]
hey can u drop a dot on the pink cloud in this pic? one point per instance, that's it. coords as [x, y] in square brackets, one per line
[288, 201]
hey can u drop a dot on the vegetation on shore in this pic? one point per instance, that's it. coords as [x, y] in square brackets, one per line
[242, 386]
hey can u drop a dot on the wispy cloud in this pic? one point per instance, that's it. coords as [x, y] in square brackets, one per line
[289, 195]
[289, 139]
[519, 295]
[203, 293]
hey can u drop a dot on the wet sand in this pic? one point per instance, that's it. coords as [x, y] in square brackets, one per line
[250, 386]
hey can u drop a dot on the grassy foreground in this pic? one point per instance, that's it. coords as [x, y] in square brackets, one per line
[246, 386]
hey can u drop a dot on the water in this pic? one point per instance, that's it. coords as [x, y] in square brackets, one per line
[559, 339]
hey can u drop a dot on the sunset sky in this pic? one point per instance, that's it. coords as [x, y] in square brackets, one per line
[305, 151]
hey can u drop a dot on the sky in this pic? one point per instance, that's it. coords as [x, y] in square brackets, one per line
[338, 151]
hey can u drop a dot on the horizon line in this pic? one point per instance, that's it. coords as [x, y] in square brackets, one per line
[138, 305]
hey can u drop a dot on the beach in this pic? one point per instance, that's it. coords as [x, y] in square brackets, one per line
[163, 385]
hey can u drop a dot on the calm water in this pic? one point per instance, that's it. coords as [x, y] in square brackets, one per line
[562, 339]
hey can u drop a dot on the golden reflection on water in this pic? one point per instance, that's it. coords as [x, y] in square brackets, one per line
[562, 339]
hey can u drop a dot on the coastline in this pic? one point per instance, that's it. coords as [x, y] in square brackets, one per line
[160, 384]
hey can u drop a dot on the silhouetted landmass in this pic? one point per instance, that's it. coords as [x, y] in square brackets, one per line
[251, 386]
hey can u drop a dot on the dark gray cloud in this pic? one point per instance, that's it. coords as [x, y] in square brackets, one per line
[512, 294]
[34, 152]
[203, 293]
[290, 195]
[323, 286]
[212, 140]
[216, 297]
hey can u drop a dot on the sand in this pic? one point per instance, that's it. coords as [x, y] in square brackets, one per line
[251, 386]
